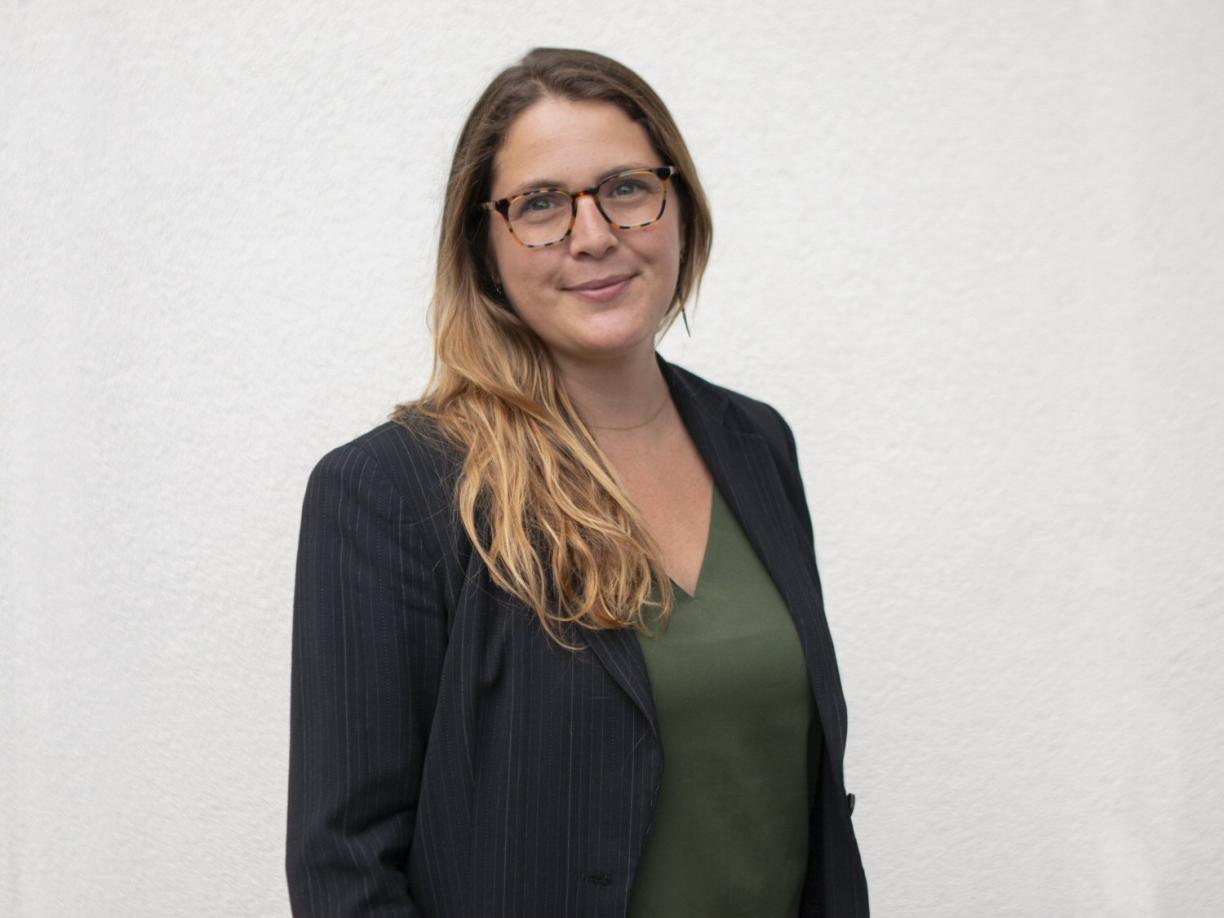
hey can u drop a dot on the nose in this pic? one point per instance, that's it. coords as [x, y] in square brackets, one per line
[592, 233]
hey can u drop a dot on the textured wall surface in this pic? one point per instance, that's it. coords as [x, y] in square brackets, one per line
[973, 251]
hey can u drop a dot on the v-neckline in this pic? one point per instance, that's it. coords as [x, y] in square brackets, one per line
[705, 552]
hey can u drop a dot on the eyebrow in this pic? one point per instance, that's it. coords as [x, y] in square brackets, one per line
[557, 183]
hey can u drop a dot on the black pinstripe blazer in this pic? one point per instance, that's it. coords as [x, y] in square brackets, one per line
[448, 759]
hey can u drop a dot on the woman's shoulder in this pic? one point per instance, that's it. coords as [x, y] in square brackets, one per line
[734, 408]
[386, 497]
[407, 455]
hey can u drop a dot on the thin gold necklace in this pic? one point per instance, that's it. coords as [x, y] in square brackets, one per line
[635, 426]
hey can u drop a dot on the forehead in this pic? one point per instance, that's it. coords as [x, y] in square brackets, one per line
[570, 143]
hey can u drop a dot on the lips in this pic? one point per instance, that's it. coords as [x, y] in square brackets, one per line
[600, 283]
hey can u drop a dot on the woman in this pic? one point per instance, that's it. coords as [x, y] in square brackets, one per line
[568, 563]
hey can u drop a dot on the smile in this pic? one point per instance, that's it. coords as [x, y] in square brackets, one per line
[602, 292]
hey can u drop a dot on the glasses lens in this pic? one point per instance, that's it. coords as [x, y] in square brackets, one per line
[540, 217]
[632, 198]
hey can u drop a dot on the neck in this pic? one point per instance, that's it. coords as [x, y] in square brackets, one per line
[620, 392]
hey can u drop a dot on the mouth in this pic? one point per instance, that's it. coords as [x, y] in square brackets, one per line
[603, 288]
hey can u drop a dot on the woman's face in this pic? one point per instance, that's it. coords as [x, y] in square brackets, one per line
[574, 145]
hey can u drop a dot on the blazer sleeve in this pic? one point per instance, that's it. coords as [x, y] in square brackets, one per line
[369, 632]
[792, 481]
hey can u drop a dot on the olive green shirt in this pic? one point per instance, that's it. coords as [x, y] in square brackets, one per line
[741, 744]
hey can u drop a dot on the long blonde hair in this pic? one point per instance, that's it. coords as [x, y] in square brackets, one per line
[538, 498]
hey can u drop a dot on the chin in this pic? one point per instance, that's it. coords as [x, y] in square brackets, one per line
[605, 346]
[614, 335]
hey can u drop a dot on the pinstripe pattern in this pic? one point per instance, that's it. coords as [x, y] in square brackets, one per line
[446, 758]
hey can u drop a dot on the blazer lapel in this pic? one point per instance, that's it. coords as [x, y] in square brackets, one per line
[747, 475]
[744, 471]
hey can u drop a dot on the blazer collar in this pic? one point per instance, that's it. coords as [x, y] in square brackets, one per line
[745, 472]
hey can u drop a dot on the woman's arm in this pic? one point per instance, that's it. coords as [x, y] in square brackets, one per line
[792, 480]
[369, 631]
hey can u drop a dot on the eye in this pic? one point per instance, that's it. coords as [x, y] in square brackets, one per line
[539, 205]
[626, 186]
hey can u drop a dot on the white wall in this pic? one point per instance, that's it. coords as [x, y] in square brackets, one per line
[973, 251]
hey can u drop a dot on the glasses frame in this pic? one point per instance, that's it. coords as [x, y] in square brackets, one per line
[502, 205]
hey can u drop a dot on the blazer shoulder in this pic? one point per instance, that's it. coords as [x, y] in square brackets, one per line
[744, 412]
[410, 456]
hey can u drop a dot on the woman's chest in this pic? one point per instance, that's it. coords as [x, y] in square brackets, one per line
[673, 490]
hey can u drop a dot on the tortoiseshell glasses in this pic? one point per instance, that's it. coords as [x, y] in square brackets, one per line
[545, 216]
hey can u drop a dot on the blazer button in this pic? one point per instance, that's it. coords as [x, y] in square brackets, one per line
[850, 802]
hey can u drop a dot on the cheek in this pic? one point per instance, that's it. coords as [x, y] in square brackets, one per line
[664, 237]
[522, 270]
[662, 247]
[499, 255]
